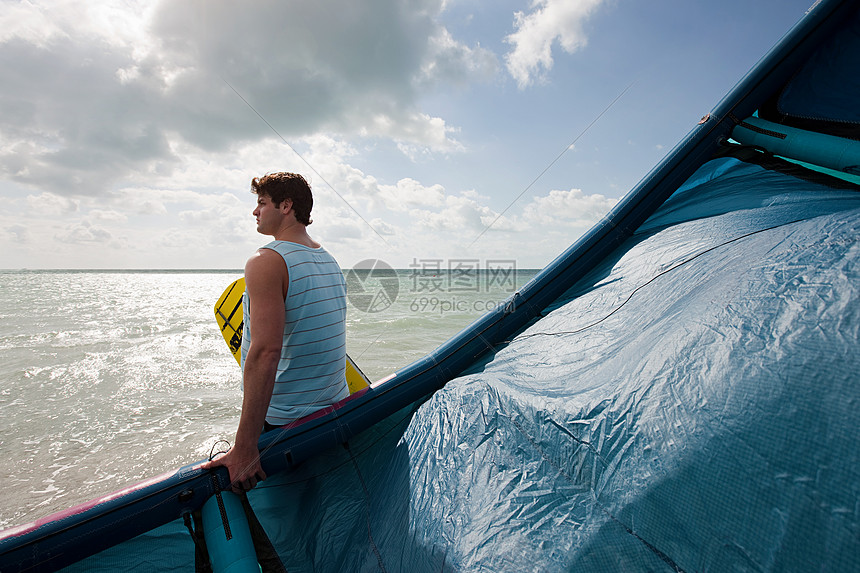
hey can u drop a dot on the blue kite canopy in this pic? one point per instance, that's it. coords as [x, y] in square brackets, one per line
[692, 406]
[677, 391]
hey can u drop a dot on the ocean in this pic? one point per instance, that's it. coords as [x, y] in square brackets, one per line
[111, 377]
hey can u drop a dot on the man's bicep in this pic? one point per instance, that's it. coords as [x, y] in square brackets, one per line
[264, 284]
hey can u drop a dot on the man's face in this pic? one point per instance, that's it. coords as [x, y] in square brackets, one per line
[269, 216]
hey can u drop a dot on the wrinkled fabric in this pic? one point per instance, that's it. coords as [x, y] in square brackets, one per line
[693, 405]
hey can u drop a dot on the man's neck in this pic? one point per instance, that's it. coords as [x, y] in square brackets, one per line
[296, 233]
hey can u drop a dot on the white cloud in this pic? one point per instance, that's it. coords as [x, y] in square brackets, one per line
[148, 207]
[84, 232]
[111, 216]
[176, 239]
[382, 227]
[18, 233]
[454, 62]
[410, 193]
[567, 207]
[52, 203]
[343, 230]
[548, 22]
[461, 215]
[114, 23]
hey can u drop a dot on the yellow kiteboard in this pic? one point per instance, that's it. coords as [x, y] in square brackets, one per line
[228, 315]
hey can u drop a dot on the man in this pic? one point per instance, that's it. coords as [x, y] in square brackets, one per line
[294, 339]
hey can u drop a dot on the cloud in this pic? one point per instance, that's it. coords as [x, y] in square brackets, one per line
[549, 21]
[461, 215]
[52, 203]
[382, 227]
[18, 233]
[410, 193]
[113, 23]
[452, 62]
[67, 124]
[85, 232]
[345, 229]
[108, 216]
[571, 207]
[148, 207]
[97, 93]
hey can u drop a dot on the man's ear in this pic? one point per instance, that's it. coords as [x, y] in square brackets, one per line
[286, 205]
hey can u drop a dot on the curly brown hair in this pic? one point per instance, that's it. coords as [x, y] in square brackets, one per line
[281, 186]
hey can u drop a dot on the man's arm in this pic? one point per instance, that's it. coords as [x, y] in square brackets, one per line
[265, 285]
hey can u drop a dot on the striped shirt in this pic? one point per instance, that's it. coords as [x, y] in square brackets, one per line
[311, 370]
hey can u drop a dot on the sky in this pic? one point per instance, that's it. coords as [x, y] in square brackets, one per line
[432, 131]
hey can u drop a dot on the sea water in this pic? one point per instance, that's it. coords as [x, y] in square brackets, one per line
[111, 377]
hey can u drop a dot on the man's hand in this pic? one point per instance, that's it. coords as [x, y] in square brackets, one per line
[243, 465]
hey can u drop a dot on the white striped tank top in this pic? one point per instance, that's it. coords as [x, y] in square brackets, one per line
[311, 371]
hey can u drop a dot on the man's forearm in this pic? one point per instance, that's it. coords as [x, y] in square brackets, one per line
[259, 381]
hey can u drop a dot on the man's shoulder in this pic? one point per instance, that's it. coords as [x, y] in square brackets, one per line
[263, 257]
[266, 265]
